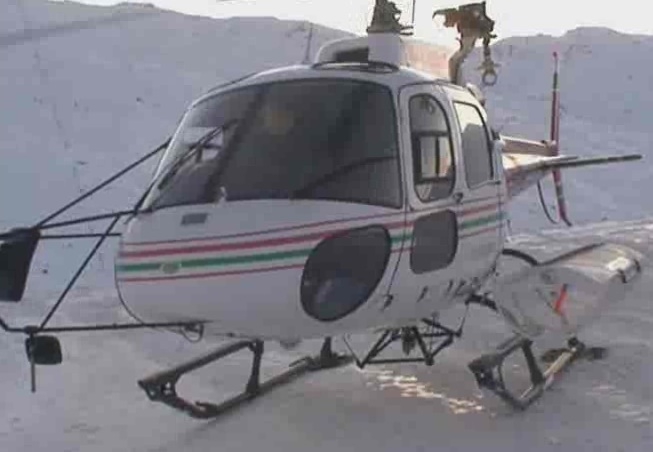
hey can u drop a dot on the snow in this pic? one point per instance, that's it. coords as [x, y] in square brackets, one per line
[87, 89]
[605, 80]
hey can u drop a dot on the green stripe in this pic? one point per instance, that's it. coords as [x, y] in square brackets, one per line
[231, 260]
[217, 261]
[267, 257]
[480, 221]
[138, 267]
[399, 238]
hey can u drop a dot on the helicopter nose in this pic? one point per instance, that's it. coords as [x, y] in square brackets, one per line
[274, 269]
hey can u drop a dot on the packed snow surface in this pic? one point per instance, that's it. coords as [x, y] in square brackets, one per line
[86, 90]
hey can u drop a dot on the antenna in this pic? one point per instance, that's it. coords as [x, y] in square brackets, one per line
[412, 20]
[309, 40]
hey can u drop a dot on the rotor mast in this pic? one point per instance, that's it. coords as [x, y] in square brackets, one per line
[385, 19]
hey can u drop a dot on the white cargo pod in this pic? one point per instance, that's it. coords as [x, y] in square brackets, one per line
[568, 293]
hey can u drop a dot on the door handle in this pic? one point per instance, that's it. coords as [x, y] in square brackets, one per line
[458, 197]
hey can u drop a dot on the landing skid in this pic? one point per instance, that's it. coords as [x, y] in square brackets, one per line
[489, 374]
[161, 387]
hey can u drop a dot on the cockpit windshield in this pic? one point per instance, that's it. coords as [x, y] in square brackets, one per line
[329, 139]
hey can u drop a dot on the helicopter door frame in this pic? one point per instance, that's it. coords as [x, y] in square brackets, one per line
[481, 214]
[430, 259]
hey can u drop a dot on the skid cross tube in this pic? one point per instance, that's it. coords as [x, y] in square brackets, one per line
[427, 352]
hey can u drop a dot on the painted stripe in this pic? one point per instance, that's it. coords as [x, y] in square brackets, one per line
[217, 274]
[480, 221]
[194, 264]
[466, 212]
[231, 260]
[277, 241]
[480, 232]
[267, 257]
[219, 261]
[557, 305]
[309, 225]
[267, 231]
[211, 275]
[202, 263]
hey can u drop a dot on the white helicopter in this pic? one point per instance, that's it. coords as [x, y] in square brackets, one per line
[365, 191]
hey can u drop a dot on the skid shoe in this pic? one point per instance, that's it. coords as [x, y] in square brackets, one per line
[161, 386]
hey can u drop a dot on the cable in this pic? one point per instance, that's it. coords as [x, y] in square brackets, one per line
[543, 204]
[74, 279]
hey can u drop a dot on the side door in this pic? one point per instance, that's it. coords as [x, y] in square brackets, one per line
[426, 276]
[481, 211]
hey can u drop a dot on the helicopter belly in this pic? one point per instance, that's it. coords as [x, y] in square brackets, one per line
[276, 269]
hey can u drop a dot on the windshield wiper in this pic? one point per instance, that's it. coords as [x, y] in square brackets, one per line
[191, 151]
[302, 192]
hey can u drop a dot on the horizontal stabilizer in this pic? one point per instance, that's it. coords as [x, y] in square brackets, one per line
[523, 170]
[577, 162]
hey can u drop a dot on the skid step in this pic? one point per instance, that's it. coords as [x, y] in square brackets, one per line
[161, 386]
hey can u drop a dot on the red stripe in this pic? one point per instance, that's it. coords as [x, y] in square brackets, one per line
[217, 274]
[482, 231]
[476, 210]
[302, 226]
[266, 231]
[557, 305]
[277, 241]
[212, 275]
[450, 205]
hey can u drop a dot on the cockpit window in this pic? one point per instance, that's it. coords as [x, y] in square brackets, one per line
[304, 139]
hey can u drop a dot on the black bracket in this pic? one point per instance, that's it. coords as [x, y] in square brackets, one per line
[429, 339]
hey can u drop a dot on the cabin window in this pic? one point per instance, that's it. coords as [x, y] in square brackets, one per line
[476, 145]
[343, 271]
[433, 162]
[435, 242]
[329, 139]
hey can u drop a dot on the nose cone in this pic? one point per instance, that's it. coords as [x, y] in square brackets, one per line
[240, 265]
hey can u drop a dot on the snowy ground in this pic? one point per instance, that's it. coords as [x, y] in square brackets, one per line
[92, 402]
[90, 89]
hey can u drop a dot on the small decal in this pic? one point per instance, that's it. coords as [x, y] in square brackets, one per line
[462, 289]
[194, 218]
[425, 292]
[388, 299]
[170, 268]
[557, 304]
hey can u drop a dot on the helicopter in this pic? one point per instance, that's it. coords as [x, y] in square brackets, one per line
[365, 191]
